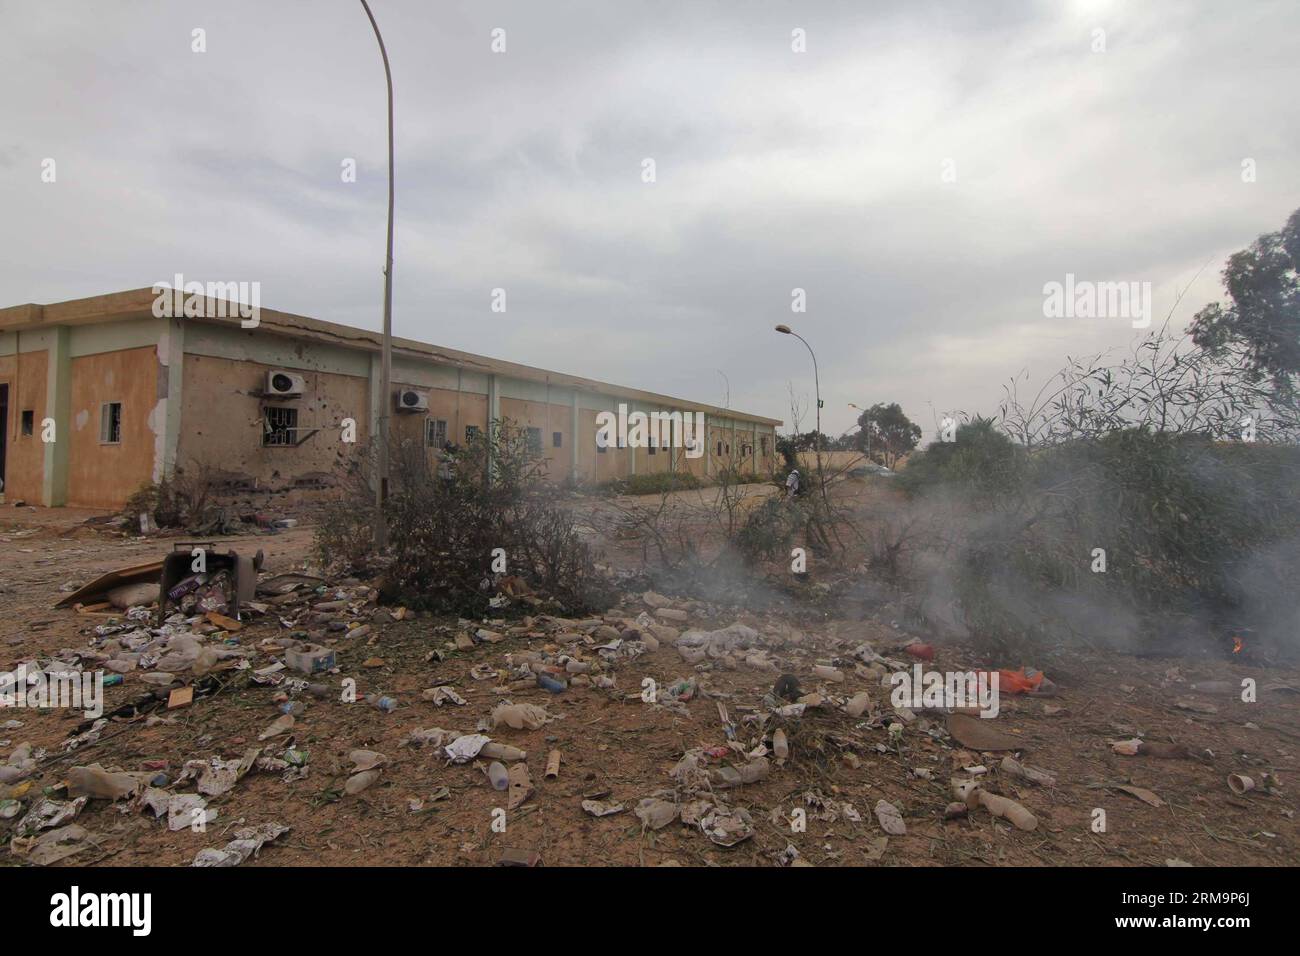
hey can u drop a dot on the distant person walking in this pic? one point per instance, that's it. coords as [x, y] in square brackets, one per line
[792, 483]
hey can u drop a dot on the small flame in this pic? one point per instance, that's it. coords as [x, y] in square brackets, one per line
[1237, 644]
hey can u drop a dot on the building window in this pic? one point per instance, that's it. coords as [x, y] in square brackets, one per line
[435, 432]
[763, 445]
[719, 449]
[471, 432]
[280, 426]
[652, 447]
[534, 441]
[29, 421]
[557, 439]
[110, 423]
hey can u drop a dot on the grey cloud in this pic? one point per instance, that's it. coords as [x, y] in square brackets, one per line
[776, 170]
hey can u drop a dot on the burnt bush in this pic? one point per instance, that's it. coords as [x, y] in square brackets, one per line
[770, 529]
[344, 538]
[183, 500]
[460, 521]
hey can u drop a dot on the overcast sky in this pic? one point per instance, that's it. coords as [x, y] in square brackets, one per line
[775, 170]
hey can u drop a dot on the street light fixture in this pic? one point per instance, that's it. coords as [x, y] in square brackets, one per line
[786, 330]
[386, 363]
[865, 431]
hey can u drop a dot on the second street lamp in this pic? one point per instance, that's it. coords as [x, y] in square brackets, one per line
[786, 330]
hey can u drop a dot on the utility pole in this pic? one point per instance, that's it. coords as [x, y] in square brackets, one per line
[386, 375]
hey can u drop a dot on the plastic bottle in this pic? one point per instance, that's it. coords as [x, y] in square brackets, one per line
[386, 704]
[498, 775]
[498, 751]
[547, 682]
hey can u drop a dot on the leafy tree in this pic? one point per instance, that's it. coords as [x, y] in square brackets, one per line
[1262, 318]
[886, 434]
[803, 441]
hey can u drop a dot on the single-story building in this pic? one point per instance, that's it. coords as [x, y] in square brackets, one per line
[99, 396]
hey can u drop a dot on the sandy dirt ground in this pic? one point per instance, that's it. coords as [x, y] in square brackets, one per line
[616, 747]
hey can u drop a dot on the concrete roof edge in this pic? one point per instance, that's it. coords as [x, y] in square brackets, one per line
[136, 303]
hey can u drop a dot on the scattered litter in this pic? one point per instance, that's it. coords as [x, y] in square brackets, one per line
[655, 814]
[1146, 796]
[280, 726]
[1240, 784]
[47, 813]
[521, 785]
[1015, 768]
[1149, 748]
[727, 826]
[465, 748]
[600, 808]
[442, 695]
[95, 781]
[891, 821]
[519, 716]
[181, 811]
[54, 845]
[248, 841]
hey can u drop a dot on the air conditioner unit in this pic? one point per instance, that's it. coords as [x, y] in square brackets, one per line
[410, 400]
[282, 384]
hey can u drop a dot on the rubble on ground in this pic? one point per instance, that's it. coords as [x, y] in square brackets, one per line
[775, 733]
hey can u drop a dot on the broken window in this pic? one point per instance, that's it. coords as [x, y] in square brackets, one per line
[471, 432]
[29, 421]
[534, 441]
[281, 426]
[110, 423]
[435, 433]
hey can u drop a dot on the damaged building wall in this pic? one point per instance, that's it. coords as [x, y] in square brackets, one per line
[230, 426]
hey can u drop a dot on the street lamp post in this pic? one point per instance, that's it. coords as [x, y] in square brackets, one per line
[386, 375]
[865, 431]
[786, 330]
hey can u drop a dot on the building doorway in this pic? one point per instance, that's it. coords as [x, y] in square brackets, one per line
[4, 432]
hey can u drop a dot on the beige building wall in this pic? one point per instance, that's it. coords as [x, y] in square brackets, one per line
[548, 418]
[103, 474]
[191, 393]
